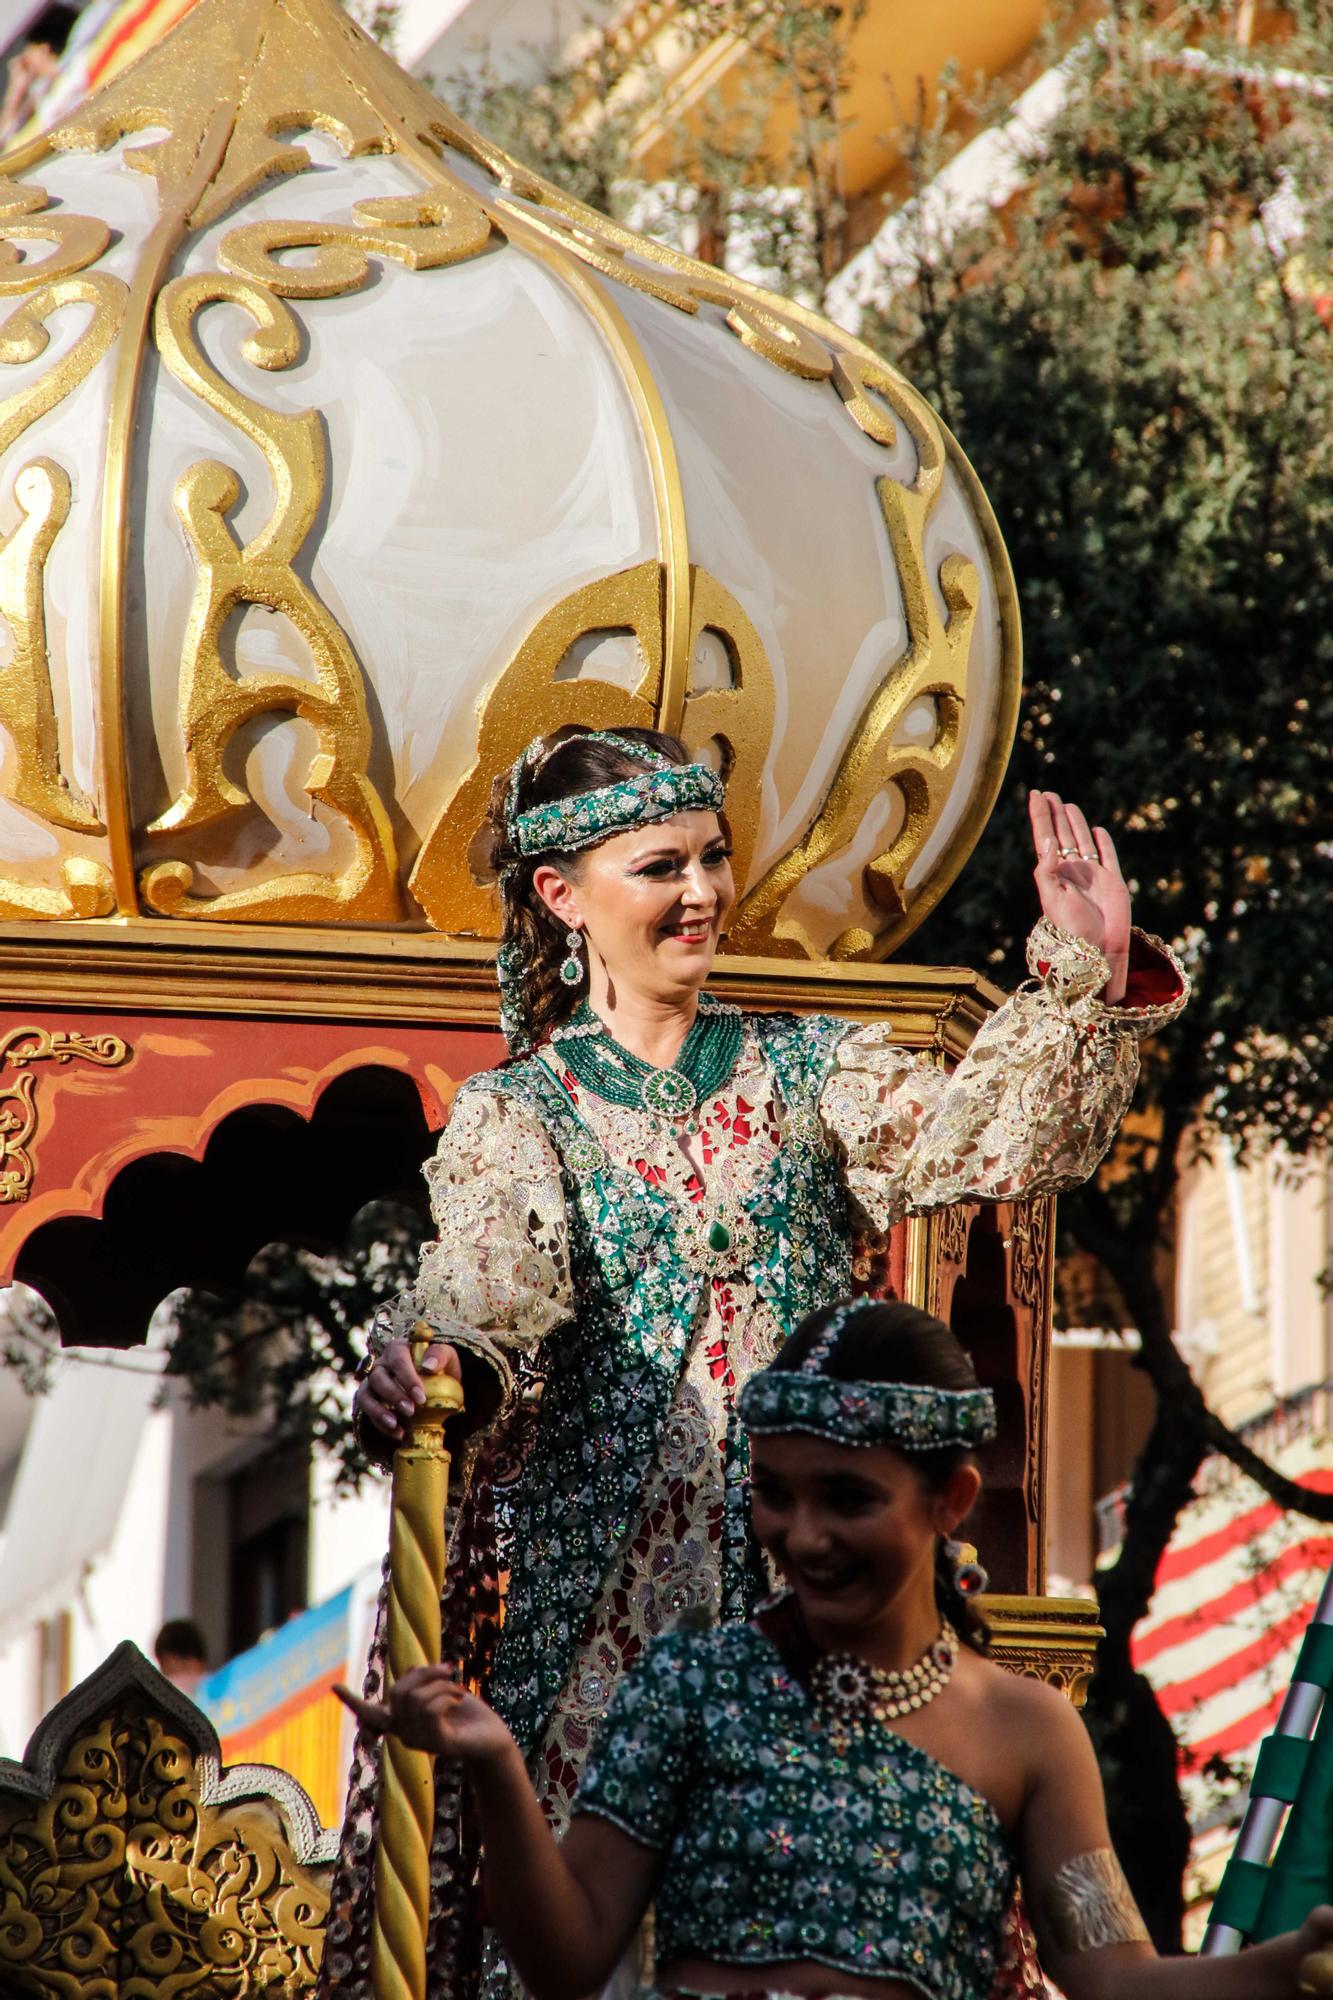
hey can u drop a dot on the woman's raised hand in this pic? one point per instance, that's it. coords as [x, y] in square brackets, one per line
[428, 1710]
[1079, 881]
[393, 1390]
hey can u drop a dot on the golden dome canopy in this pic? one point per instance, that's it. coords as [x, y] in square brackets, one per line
[341, 454]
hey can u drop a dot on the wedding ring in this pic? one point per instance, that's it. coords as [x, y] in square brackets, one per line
[1086, 857]
[1067, 853]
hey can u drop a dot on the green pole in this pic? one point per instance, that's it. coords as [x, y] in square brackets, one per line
[1261, 1894]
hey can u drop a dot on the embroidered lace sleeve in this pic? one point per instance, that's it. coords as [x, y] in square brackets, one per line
[1031, 1108]
[497, 1278]
[639, 1766]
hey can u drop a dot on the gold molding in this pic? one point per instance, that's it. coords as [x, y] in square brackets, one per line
[1052, 1639]
[159, 967]
[18, 1100]
[115, 526]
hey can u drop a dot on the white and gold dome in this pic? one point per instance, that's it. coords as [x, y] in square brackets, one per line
[340, 454]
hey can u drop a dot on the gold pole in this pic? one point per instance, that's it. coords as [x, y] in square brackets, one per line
[407, 1777]
[1316, 1973]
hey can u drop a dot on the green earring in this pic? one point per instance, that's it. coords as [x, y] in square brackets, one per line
[572, 969]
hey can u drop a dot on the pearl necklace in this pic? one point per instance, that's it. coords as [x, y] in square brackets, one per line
[851, 1694]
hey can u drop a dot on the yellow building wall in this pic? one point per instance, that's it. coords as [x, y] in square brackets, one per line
[899, 50]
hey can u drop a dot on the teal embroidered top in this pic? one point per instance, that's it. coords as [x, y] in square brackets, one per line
[774, 1847]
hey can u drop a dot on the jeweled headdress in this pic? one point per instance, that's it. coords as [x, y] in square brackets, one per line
[906, 1415]
[563, 826]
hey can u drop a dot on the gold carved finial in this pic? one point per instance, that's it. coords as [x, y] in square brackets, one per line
[132, 1862]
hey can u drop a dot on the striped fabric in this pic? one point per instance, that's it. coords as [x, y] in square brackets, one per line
[1235, 1592]
[275, 1703]
[108, 37]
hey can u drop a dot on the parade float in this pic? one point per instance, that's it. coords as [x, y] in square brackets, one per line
[341, 454]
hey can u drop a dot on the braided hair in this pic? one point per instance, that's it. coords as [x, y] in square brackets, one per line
[896, 1342]
[569, 761]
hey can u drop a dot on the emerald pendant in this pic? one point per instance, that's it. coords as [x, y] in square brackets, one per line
[670, 1093]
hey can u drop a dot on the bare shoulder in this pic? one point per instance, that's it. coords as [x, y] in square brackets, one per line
[1045, 1722]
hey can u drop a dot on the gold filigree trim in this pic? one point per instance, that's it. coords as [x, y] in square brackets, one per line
[131, 1865]
[45, 286]
[934, 668]
[18, 1100]
[531, 698]
[214, 704]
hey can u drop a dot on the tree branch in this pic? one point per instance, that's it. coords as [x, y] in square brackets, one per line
[1288, 1493]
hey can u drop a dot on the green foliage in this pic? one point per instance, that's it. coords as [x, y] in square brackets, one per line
[753, 173]
[1138, 357]
[287, 1340]
[29, 1338]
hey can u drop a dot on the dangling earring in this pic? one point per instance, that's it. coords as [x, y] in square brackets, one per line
[572, 969]
[968, 1574]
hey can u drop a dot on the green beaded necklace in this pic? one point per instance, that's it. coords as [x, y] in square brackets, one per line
[706, 1061]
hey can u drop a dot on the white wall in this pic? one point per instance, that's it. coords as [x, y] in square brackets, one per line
[515, 40]
[167, 1552]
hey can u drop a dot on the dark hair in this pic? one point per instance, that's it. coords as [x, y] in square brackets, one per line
[52, 28]
[571, 761]
[896, 1342]
[182, 1638]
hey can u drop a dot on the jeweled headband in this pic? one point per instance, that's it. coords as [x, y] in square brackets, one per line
[564, 825]
[909, 1416]
[901, 1414]
[561, 826]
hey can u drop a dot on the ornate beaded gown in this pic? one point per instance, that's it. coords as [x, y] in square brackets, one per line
[622, 1279]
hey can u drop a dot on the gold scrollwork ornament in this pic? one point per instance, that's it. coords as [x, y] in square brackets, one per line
[18, 1099]
[41, 492]
[537, 693]
[423, 232]
[121, 1878]
[214, 704]
[933, 669]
